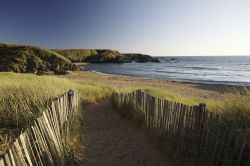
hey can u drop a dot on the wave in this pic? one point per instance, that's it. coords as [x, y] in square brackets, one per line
[200, 68]
[191, 70]
[192, 67]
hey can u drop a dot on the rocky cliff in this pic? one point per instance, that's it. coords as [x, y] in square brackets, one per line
[32, 59]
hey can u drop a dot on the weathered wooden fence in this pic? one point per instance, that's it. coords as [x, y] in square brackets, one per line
[44, 142]
[199, 136]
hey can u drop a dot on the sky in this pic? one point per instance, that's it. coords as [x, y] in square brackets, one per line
[154, 27]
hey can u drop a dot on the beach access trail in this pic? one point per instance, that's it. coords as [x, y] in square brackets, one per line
[110, 140]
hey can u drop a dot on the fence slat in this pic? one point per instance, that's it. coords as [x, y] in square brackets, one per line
[24, 147]
[7, 160]
[42, 142]
[12, 159]
[1, 162]
[246, 135]
[202, 137]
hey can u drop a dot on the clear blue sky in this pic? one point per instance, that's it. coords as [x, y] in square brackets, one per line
[156, 27]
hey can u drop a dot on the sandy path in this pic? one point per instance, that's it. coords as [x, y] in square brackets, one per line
[109, 140]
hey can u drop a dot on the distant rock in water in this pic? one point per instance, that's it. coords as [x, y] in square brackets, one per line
[173, 59]
[140, 58]
[167, 59]
[30, 59]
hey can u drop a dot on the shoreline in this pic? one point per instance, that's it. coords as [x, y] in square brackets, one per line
[81, 63]
[213, 85]
[216, 83]
[223, 83]
[198, 91]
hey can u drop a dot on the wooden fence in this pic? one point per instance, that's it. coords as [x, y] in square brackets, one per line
[199, 136]
[43, 143]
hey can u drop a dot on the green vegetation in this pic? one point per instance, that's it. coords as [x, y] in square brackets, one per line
[171, 96]
[31, 59]
[234, 105]
[103, 56]
[76, 55]
[24, 96]
[89, 55]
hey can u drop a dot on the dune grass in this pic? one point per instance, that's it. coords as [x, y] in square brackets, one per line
[24, 96]
[171, 96]
[233, 105]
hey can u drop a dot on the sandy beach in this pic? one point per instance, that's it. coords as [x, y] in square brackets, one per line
[189, 90]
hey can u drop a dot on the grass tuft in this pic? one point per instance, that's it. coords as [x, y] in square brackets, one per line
[24, 96]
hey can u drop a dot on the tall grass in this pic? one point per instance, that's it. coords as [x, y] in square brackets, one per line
[234, 105]
[171, 96]
[24, 96]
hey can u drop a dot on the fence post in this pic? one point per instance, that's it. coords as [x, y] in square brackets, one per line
[200, 121]
[243, 147]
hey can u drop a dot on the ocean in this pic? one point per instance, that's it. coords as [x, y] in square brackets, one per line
[232, 70]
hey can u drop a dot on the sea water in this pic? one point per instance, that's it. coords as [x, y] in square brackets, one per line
[199, 69]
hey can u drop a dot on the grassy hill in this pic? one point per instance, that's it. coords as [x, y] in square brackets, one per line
[31, 59]
[76, 55]
[103, 56]
[90, 55]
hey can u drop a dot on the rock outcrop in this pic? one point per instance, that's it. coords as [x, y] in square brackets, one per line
[30, 59]
[140, 58]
